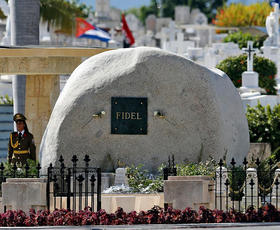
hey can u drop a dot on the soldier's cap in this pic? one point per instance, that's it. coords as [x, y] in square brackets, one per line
[19, 117]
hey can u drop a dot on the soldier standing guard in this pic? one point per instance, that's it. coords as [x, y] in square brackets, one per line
[21, 143]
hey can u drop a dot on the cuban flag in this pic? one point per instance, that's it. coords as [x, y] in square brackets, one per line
[86, 30]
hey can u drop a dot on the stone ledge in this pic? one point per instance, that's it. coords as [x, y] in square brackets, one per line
[188, 178]
[24, 180]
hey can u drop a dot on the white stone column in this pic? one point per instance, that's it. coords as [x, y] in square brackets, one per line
[252, 189]
[276, 190]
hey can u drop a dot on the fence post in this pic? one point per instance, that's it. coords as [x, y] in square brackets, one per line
[80, 180]
[86, 160]
[92, 182]
[48, 186]
[68, 179]
[275, 188]
[252, 184]
[220, 186]
[74, 160]
[98, 189]
[38, 167]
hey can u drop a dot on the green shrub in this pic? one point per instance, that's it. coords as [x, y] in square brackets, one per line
[235, 66]
[242, 38]
[206, 168]
[141, 181]
[20, 172]
[264, 124]
[6, 100]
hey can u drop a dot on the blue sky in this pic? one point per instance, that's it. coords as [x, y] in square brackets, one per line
[122, 4]
[126, 4]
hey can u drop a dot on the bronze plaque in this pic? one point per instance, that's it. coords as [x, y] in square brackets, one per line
[129, 115]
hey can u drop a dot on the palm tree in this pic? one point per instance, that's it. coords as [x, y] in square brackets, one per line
[61, 13]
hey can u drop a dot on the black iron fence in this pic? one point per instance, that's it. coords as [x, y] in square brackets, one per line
[248, 185]
[171, 169]
[74, 187]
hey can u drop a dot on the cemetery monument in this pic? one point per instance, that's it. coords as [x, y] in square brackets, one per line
[141, 105]
[250, 79]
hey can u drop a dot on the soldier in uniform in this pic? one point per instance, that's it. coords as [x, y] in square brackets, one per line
[21, 143]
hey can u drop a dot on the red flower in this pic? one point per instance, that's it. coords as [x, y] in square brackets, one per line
[24, 134]
[239, 81]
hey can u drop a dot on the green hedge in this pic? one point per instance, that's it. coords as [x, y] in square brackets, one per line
[235, 66]
[264, 124]
[242, 38]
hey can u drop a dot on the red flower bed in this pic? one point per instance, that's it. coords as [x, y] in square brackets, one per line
[156, 215]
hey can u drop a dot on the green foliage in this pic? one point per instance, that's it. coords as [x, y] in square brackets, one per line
[242, 38]
[6, 100]
[207, 168]
[264, 124]
[142, 182]
[20, 173]
[235, 66]
[62, 13]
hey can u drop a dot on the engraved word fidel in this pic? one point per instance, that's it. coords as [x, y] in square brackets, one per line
[128, 116]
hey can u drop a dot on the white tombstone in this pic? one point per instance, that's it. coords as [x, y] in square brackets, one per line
[182, 14]
[120, 177]
[102, 8]
[151, 21]
[179, 45]
[200, 19]
[133, 22]
[196, 54]
[250, 79]
[167, 35]
[162, 22]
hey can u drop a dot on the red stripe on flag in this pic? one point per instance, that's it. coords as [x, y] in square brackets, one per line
[127, 31]
[82, 26]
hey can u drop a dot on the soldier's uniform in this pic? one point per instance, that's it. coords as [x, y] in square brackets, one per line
[21, 147]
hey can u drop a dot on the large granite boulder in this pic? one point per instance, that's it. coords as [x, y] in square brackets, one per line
[192, 112]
